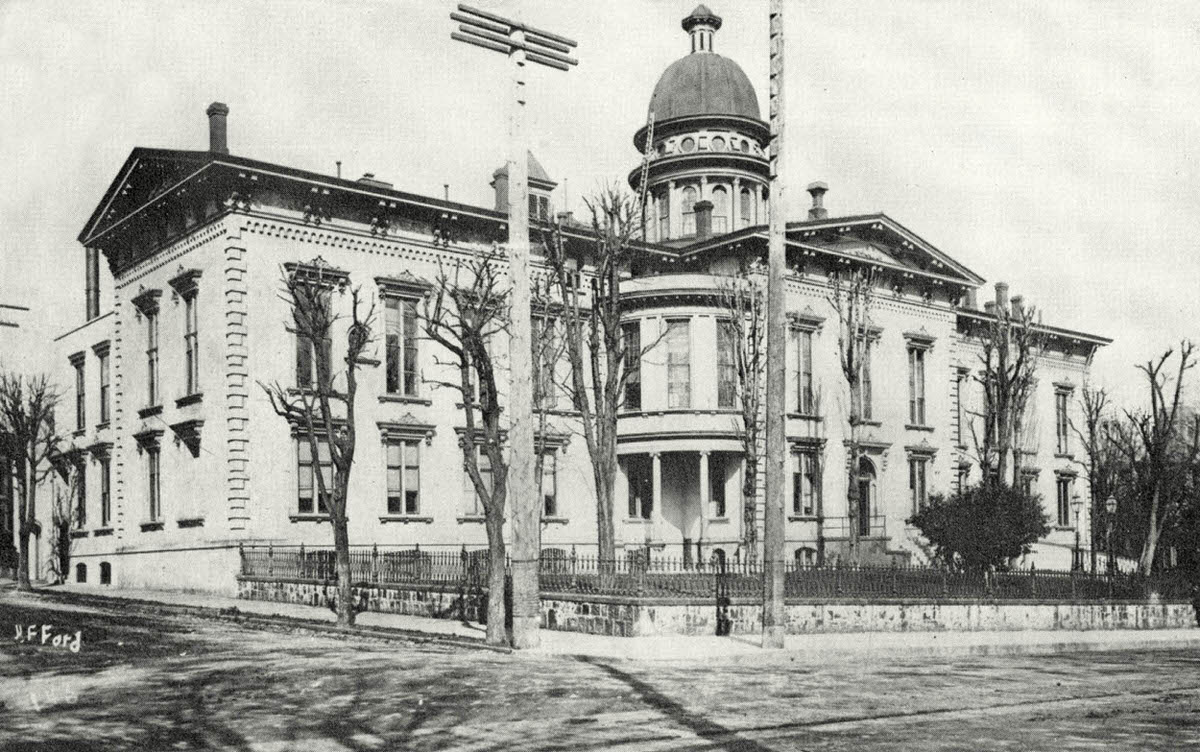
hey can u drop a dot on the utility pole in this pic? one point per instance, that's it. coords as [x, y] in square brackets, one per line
[773, 619]
[522, 44]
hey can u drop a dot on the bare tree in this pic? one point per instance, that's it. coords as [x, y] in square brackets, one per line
[745, 303]
[469, 307]
[852, 295]
[1012, 343]
[65, 516]
[27, 415]
[325, 413]
[1153, 435]
[603, 361]
[1099, 461]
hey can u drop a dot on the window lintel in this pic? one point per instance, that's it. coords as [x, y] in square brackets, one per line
[405, 286]
[77, 358]
[406, 429]
[185, 283]
[146, 301]
[101, 348]
[919, 340]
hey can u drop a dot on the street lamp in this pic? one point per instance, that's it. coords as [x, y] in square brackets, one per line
[1110, 506]
[1077, 555]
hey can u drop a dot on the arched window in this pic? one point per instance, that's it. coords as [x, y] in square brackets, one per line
[717, 558]
[866, 495]
[664, 215]
[747, 199]
[720, 219]
[689, 212]
[81, 572]
[718, 144]
[805, 557]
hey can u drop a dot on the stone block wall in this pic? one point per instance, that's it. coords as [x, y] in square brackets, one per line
[428, 602]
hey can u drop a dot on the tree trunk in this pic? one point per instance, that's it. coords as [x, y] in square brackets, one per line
[750, 508]
[23, 582]
[852, 499]
[497, 614]
[28, 505]
[605, 477]
[1149, 548]
[344, 592]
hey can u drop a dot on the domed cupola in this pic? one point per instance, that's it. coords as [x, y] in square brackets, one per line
[709, 144]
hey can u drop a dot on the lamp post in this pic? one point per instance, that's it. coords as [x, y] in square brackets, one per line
[1077, 555]
[1110, 506]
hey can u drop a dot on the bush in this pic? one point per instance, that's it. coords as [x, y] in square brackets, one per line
[983, 527]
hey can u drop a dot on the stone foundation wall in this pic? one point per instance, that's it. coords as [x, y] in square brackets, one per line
[630, 618]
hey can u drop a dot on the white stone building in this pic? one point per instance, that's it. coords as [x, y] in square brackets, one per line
[184, 458]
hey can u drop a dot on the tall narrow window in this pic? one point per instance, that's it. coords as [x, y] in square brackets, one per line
[716, 485]
[747, 200]
[960, 428]
[805, 484]
[689, 212]
[639, 472]
[190, 344]
[403, 477]
[308, 496]
[726, 366]
[92, 285]
[664, 215]
[80, 393]
[679, 368]
[1064, 500]
[400, 345]
[542, 343]
[917, 490]
[916, 386]
[81, 494]
[802, 343]
[550, 484]
[105, 493]
[154, 493]
[485, 472]
[865, 382]
[152, 358]
[306, 363]
[104, 386]
[632, 333]
[1061, 422]
[720, 216]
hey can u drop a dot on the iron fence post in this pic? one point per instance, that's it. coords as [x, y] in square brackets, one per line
[303, 564]
[270, 559]
[242, 557]
[945, 584]
[375, 563]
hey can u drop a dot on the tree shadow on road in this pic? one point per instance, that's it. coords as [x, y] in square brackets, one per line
[698, 724]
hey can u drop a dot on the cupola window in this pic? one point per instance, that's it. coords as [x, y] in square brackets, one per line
[689, 211]
[718, 144]
[689, 144]
[747, 200]
[720, 217]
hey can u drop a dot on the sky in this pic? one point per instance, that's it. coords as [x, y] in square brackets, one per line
[1052, 145]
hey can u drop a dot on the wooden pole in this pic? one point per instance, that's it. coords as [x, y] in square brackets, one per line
[773, 619]
[522, 488]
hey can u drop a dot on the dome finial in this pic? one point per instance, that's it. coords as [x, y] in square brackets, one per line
[701, 23]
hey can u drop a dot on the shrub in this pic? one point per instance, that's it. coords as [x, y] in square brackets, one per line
[984, 526]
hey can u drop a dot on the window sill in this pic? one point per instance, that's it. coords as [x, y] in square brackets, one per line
[189, 399]
[190, 522]
[405, 399]
[638, 521]
[718, 520]
[308, 517]
[803, 518]
[961, 447]
[871, 423]
[102, 426]
[471, 518]
[78, 534]
[146, 412]
[102, 531]
[406, 518]
[918, 427]
[296, 391]
[151, 525]
[555, 520]
[1064, 456]
[1063, 528]
[79, 432]
[805, 416]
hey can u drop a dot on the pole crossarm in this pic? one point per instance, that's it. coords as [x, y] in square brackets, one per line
[492, 32]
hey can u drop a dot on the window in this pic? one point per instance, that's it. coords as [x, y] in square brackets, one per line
[716, 485]
[916, 386]
[190, 346]
[961, 477]
[688, 144]
[400, 345]
[104, 387]
[727, 336]
[1028, 481]
[544, 349]
[539, 208]
[1064, 500]
[632, 332]
[805, 557]
[689, 211]
[152, 358]
[80, 494]
[639, 471]
[718, 144]
[1061, 422]
[679, 369]
[747, 200]
[864, 386]
[105, 493]
[308, 497]
[485, 472]
[92, 284]
[917, 489]
[306, 366]
[664, 215]
[80, 396]
[549, 484]
[403, 477]
[960, 428]
[720, 215]
[802, 344]
[154, 483]
[806, 485]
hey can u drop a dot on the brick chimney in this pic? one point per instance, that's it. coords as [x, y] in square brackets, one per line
[817, 190]
[217, 142]
[1002, 295]
[703, 211]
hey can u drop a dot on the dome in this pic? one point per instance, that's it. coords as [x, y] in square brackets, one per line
[703, 83]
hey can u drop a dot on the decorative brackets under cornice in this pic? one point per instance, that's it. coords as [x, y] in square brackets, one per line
[146, 301]
[407, 429]
[188, 432]
[185, 283]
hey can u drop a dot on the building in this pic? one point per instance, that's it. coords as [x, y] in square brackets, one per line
[183, 457]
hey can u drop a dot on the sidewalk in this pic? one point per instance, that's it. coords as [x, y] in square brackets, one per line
[810, 648]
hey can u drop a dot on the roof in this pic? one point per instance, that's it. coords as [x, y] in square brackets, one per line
[701, 15]
[537, 173]
[704, 83]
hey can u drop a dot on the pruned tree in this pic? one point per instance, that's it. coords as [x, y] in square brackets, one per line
[469, 307]
[64, 519]
[744, 301]
[27, 406]
[1011, 343]
[1151, 444]
[852, 296]
[604, 360]
[323, 407]
[1100, 459]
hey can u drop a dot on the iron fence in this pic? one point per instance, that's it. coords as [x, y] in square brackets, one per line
[640, 575]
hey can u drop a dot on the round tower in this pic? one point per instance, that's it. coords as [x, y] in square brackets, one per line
[709, 144]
